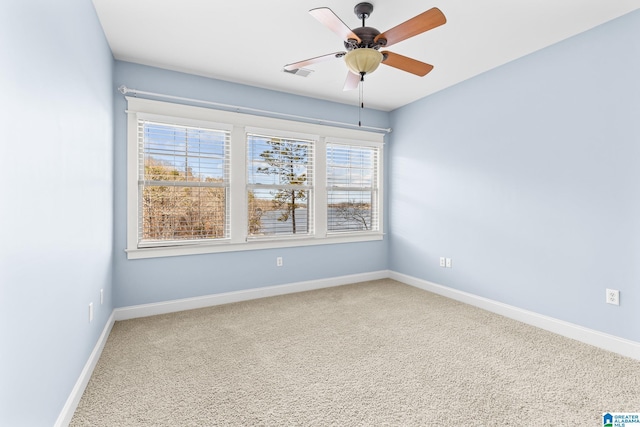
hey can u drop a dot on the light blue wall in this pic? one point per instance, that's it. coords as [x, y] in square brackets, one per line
[56, 209]
[153, 280]
[528, 177]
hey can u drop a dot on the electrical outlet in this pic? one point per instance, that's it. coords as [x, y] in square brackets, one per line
[442, 262]
[101, 296]
[279, 261]
[613, 296]
[90, 312]
[448, 262]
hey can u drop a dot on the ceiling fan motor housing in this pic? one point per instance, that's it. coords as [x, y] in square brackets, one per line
[367, 35]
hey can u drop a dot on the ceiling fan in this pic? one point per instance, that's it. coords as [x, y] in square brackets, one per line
[362, 44]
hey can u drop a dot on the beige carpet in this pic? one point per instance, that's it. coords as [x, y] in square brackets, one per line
[374, 353]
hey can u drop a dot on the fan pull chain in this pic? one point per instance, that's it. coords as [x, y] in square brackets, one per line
[361, 95]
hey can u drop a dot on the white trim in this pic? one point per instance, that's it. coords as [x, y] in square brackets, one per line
[320, 195]
[238, 206]
[125, 90]
[356, 142]
[592, 337]
[183, 122]
[73, 400]
[280, 133]
[132, 181]
[252, 244]
[153, 309]
[148, 106]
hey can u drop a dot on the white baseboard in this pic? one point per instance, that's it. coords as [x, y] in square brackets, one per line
[164, 307]
[73, 400]
[588, 336]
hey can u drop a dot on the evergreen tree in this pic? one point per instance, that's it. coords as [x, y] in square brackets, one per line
[287, 159]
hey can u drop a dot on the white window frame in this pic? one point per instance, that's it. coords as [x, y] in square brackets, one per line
[240, 124]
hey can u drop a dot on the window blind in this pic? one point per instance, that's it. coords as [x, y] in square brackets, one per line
[352, 188]
[183, 183]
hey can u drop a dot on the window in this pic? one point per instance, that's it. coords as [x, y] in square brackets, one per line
[183, 183]
[201, 180]
[280, 185]
[352, 187]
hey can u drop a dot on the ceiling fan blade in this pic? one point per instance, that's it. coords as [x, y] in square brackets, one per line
[335, 24]
[407, 64]
[426, 21]
[300, 64]
[352, 81]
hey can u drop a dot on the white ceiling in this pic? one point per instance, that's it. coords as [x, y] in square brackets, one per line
[249, 41]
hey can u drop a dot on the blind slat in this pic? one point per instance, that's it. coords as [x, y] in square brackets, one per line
[198, 184]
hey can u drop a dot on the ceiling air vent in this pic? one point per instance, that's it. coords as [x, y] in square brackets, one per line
[302, 72]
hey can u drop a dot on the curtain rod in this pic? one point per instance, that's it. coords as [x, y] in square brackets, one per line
[125, 90]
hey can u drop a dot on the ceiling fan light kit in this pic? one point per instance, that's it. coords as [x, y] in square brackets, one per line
[362, 44]
[363, 61]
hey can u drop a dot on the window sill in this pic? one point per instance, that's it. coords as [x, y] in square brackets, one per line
[252, 245]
